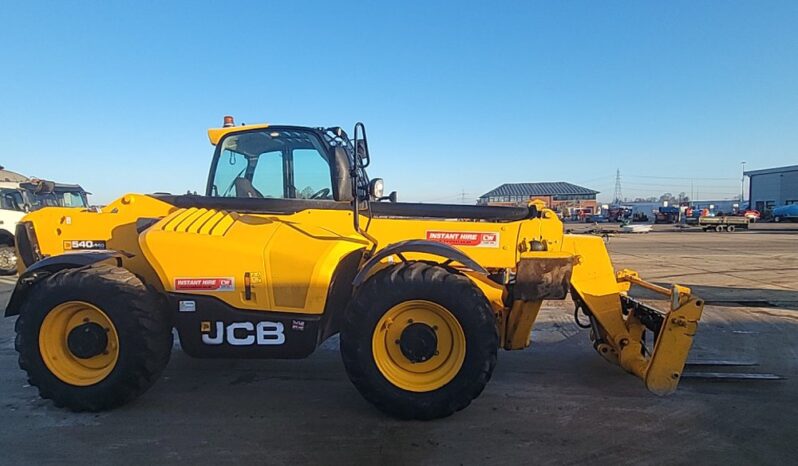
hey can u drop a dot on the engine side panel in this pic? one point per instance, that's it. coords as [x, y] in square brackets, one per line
[255, 262]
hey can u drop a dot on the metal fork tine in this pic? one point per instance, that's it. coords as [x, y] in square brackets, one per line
[730, 376]
[721, 362]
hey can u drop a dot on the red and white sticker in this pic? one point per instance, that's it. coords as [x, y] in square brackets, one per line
[465, 238]
[205, 284]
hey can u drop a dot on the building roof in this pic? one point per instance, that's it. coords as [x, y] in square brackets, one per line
[769, 171]
[11, 177]
[537, 189]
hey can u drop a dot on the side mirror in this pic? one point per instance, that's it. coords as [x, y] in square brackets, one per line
[361, 144]
[341, 177]
[390, 197]
[363, 153]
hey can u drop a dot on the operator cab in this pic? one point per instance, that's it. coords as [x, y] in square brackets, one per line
[284, 162]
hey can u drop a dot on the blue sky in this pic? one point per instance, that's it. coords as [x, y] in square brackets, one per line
[458, 97]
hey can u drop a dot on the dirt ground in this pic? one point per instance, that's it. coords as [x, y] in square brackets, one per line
[554, 403]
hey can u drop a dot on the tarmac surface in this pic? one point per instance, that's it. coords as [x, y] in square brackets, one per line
[557, 402]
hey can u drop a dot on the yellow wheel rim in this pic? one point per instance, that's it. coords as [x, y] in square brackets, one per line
[55, 350]
[430, 374]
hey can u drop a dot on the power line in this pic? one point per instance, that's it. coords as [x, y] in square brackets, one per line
[605, 177]
[682, 178]
[462, 195]
[677, 185]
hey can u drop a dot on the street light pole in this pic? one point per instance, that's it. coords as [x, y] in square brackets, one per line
[742, 184]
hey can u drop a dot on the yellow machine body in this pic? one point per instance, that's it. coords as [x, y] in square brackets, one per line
[290, 262]
[287, 264]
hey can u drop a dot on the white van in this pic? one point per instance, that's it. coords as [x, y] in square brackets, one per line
[13, 207]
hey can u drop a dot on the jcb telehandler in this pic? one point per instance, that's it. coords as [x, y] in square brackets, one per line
[293, 243]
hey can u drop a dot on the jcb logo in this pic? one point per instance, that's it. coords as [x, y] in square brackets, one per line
[242, 333]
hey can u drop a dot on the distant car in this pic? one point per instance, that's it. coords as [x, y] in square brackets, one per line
[787, 213]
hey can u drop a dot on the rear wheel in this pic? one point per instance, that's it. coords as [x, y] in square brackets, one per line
[419, 341]
[92, 338]
[730, 228]
[719, 228]
[8, 260]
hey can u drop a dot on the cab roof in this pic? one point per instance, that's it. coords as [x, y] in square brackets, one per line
[216, 134]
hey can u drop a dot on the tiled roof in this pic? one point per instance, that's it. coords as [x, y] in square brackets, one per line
[537, 189]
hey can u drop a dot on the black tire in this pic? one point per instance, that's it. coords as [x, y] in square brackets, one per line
[8, 260]
[141, 322]
[420, 281]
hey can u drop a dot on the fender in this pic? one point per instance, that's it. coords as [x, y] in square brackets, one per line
[416, 245]
[49, 266]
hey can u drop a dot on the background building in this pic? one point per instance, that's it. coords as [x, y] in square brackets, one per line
[566, 198]
[772, 187]
[11, 177]
[718, 206]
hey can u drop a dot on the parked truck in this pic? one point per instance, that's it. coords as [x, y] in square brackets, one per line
[723, 223]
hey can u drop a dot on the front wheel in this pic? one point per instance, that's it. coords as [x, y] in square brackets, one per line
[419, 341]
[92, 338]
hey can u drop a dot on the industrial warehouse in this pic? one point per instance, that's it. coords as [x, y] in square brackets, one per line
[773, 187]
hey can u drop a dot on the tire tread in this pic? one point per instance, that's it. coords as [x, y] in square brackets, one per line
[149, 340]
[428, 279]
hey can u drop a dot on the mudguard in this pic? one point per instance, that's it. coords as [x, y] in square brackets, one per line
[50, 265]
[418, 246]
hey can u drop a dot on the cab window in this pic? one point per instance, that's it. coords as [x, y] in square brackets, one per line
[311, 174]
[273, 163]
[74, 199]
[268, 175]
[11, 200]
[230, 166]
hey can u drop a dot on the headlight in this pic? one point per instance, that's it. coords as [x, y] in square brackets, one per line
[377, 188]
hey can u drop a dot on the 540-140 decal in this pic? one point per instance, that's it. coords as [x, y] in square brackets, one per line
[83, 244]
